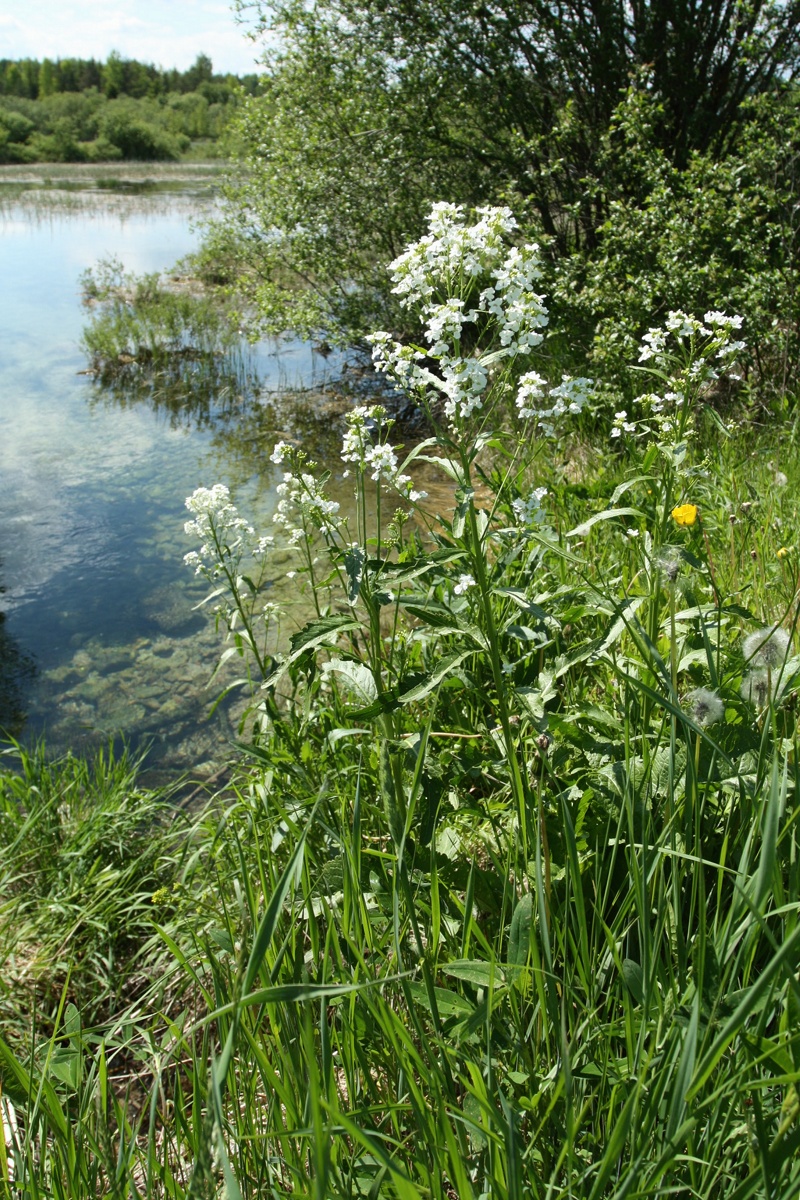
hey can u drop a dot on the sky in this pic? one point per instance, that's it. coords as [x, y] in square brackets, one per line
[169, 33]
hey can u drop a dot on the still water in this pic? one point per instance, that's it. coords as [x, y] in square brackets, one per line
[101, 637]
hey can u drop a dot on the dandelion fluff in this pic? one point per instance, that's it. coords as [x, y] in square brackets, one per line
[705, 706]
[766, 648]
[757, 688]
[668, 561]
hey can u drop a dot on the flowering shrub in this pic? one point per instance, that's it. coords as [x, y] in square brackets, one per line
[534, 745]
[475, 298]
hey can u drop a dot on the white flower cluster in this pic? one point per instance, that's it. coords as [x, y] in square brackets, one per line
[302, 504]
[377, 459]
[465, 582]
[692, 353]
[715, 329]
[452, 252]
[224, 534]
[545, 405]
[528, 510]
[622, 424]
[440, 275]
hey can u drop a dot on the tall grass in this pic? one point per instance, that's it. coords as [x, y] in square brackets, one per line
[505, 902]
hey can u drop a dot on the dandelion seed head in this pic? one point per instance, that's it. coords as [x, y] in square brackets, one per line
[705, 706]
[766, 648]
[756, 688]
[668, 562]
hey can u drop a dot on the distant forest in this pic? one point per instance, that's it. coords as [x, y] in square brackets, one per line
[83, 110]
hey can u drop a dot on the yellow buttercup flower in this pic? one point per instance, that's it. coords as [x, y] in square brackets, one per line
[783, 552]
[685, 514]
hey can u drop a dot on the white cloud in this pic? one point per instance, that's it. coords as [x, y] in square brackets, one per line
[170, 33]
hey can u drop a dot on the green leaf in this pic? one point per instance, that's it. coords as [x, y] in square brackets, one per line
[464, 499]
[519, 938]
[336, 735]
[449, 1004]
[358, 678]
[322, 631]
[269, 921]
[634, 979]
[433, 678]
[476, 972]
[620, 491]
[608, 514]
[354, 560]
[447, 465]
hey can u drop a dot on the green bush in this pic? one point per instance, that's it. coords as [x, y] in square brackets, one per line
[135, 138]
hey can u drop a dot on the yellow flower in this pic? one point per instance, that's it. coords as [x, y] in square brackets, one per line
[685, 514]
[783, 552]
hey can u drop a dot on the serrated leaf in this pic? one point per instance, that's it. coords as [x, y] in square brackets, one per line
[322, 631]
[358, 678]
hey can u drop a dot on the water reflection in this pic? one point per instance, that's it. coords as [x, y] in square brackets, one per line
[16, 669]
[95, 474]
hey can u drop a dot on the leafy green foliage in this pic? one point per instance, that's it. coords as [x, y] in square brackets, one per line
[720, 232]
[79, 111]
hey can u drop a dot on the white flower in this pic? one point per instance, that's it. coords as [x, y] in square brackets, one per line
[465, 582]
[622, 424]
[529, 511]
[532, 387]
[720, 319]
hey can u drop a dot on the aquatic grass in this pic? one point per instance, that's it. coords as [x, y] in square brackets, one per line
[142, 322]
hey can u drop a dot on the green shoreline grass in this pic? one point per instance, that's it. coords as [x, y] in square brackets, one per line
[276, 997]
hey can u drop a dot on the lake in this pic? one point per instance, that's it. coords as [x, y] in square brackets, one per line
[101, 638]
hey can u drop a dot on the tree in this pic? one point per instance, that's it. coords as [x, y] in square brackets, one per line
[202, 71]
[48, 81]
[114, 75]
[342, 164]
[523, 91]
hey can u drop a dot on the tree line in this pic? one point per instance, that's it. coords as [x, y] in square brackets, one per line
[82, 110]
[34, 79]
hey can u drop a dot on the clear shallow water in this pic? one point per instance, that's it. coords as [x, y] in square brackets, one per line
[100, 637]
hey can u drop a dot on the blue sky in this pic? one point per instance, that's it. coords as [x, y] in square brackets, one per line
[170, 33]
